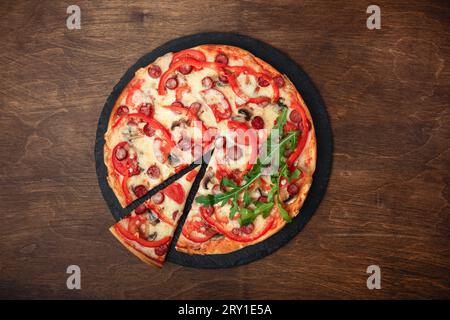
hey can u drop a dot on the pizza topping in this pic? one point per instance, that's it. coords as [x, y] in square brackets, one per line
[158, 198]
[195, 107]
[262, 199]
[154, 172]
[242, 234]
[223, 78]
[171, 83]
[140, 209]
[191, 175]
[263, 82]
[122, 110]
[295, 116]
[218, 103]
[185, 69]
[121, 153]
[128, 166]
[304, 136]
[293, 189]
[198, 230]
[189, 53]
[245, 113]
[209, 210]
[175, 214]
[246, 229]
[149, 130]
[134, 236]
[279, 81]
[185, 143]
[175, 191]
[177, 104]
[154, 71]
[234, 189]
[162, 250]
[258, 123]
[207, 82]
[147, 109]
[140, 191]
[221, 58]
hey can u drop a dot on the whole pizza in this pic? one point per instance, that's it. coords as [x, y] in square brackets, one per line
[214, 100]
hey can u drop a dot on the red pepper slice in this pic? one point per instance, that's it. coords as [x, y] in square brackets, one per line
[150, 244]
[179, 91]
[251, 139]
[241, 238]
[152, 122]
[176, 64]
[218, 103]
[301, 144]
[237, 70]
[189, 53]
[198, 231]
[159, 213]
[125, 190]
[175, 191]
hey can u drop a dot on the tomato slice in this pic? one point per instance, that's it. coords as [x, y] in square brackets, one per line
[191, 175]
[221, 228]
[175, 191]
[218, 103]
[198, 231]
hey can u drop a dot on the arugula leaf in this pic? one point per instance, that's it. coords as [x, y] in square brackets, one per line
[284, 214]
[228, 182]
[246, 198]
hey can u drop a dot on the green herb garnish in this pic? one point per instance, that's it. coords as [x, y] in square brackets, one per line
[247, 215]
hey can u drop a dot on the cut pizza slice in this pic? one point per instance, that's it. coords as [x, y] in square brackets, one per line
[148, 231]
[248, 204]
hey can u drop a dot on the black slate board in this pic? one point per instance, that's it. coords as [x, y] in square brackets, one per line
[324, 149]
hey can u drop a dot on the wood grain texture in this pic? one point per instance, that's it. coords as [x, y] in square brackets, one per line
[387, 92]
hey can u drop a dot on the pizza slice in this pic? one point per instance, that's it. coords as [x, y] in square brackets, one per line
[239, 204]
[148, 231]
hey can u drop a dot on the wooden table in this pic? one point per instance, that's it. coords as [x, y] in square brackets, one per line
[387, 92]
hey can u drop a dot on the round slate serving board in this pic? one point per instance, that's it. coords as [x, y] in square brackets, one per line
[324, 148]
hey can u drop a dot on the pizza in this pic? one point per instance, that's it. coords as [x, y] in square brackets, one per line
[217, 100]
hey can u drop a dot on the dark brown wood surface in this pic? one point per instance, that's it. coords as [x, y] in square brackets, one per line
[387, 92]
